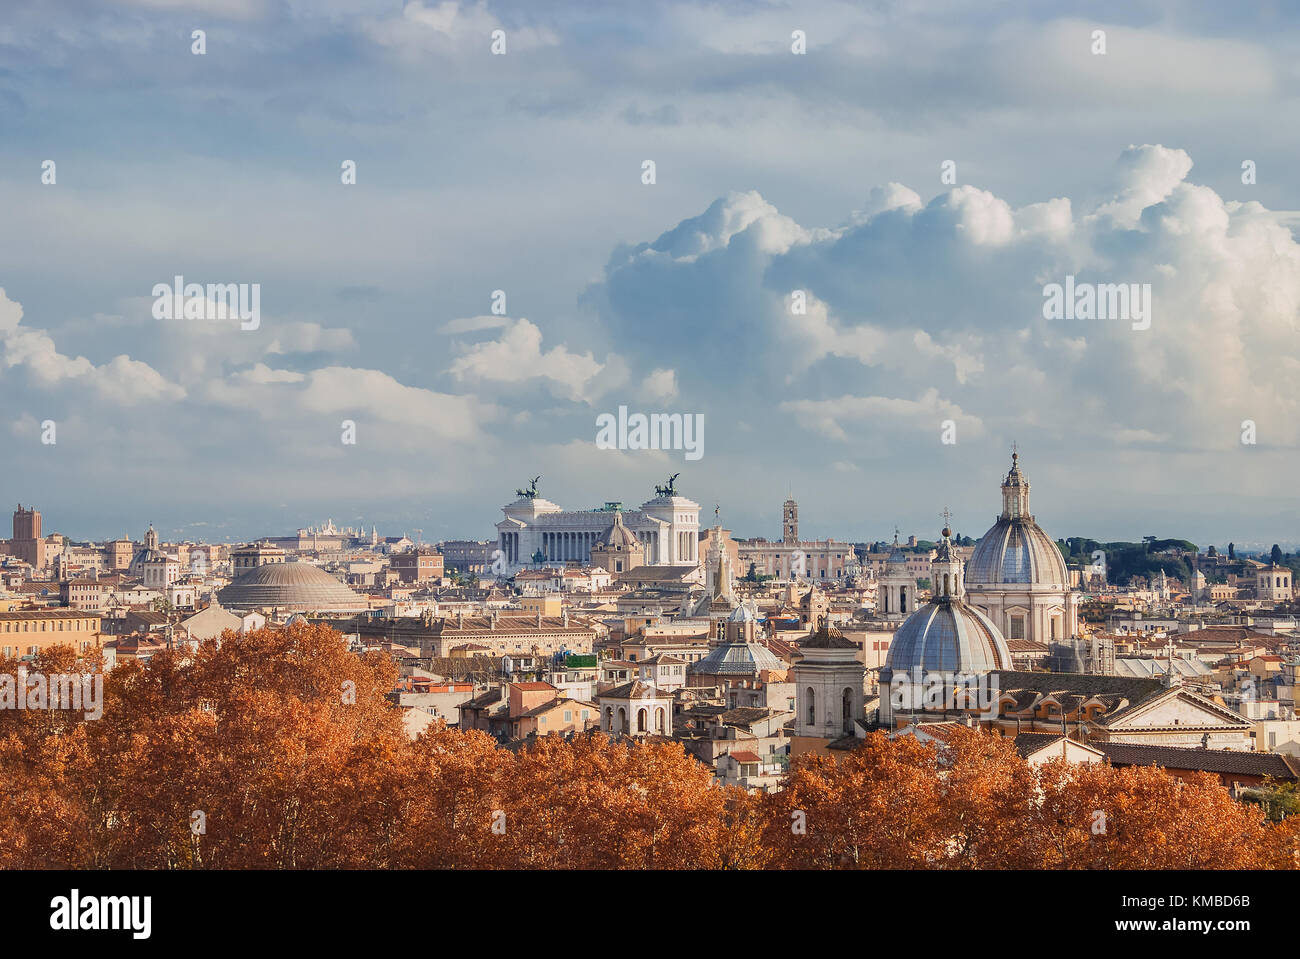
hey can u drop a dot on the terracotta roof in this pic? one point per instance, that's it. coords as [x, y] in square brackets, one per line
[1026, 646]
[745, 756]
[745, 715]
[1029, 743]
[633, 690]
[1221, 761]
[47, 614]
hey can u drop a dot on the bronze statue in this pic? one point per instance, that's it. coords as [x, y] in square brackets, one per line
[669, 488]
[531, 491]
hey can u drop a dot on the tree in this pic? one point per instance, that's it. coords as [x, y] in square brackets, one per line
[1276, 554]
[1232, 551]
[280, 749]
[872, 808]
[1278, 800]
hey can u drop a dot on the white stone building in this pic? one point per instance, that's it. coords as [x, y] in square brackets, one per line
[535, 528]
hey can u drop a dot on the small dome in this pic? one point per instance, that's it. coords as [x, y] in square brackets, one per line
[737, 659]
[619, 535]
[948, 637]
[741, 614]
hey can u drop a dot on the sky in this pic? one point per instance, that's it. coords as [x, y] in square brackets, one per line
[921, 173]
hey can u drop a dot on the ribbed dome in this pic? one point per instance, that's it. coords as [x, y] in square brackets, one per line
[737, 659]
[1018, 552]
[289, 585]
[948, 636]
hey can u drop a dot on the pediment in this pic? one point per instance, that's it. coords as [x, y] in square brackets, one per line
[1179, 708]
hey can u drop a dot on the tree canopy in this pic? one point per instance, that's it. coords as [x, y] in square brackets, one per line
[280, 749]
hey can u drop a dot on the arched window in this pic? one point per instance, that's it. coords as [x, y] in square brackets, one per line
[846, 709]
[659, 722]
[640, 720]
[622, 720]
[812, 707]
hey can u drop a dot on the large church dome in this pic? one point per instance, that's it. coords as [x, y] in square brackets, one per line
[290, 586]
[1015, 550]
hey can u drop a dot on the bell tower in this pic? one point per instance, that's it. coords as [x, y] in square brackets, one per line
[790, 522]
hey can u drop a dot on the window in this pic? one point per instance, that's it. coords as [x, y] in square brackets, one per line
[1017, 629]
[568, 716]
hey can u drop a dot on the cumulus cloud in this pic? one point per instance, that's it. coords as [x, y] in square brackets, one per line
[943, 301]
[121, 380]
[518, 357]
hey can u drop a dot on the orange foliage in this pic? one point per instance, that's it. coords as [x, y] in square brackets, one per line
[283, 747]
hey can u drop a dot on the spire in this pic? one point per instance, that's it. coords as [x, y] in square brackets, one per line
[1015, 491]
[946, 568]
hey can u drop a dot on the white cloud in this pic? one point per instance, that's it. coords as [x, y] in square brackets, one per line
[832, 418]
[660, 385]
[518, 357]
[121, 380]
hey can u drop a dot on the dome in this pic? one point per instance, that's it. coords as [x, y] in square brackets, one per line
[948, 636]
[737, 659]
[289, 585]
[741, 614]
[619, 536]
[1015, 550]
